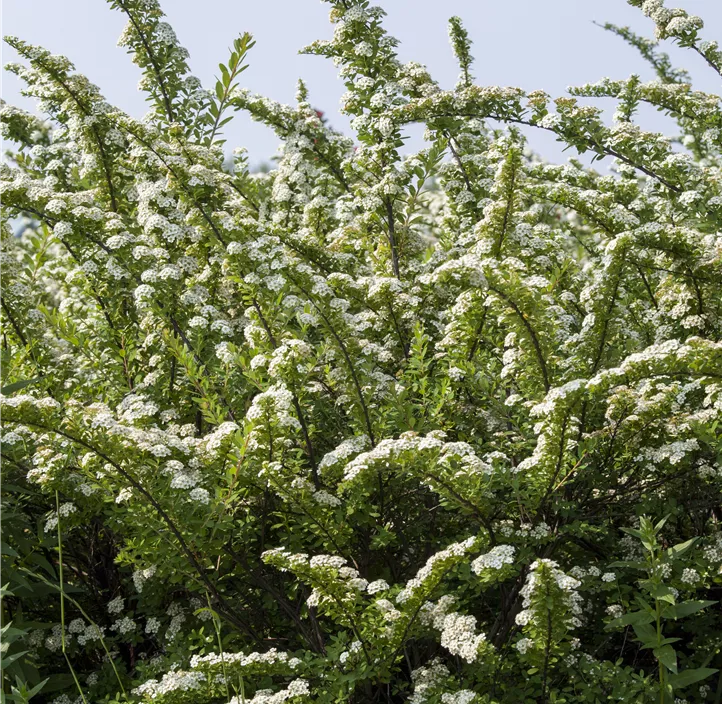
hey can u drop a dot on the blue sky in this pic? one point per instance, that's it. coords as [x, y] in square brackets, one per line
[547, 44]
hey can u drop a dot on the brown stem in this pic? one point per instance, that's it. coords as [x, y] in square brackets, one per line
[296, 403]
[590, 142]
[15, 326]
[347, 357]
[392, 239]
[460, 164]
[151, 57]
[532, 334]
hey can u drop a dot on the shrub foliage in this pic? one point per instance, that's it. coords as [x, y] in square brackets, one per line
[370, 427]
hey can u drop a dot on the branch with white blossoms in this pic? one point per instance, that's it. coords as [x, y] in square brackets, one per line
[154, 47]
[337, 589]
[457, 631]
[297, 691]
[430, 684]
[450, 469]
[551, 607]
[364, 356]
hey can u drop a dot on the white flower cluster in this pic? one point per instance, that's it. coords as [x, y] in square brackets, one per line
[458, 631]
[323, 572]
[349, 447]
[320, 496]
[171, 682]
[671, 23]
[434, 566]
[124, 625]
[463, 696]
[690, 575]
[272, 406]
[377, 586]
[152, 626]
[495, 559]
[523, 645]
[116, 605]
[241, 660]
[564, 582]
[178, 618]
[214, 441]
[445, 463]
[537, 531]
[63, 512]
[55, 640]
[140, 577]
[297, 688]
[427, 681]
[65, 699]
[673, 453]
[85, 633]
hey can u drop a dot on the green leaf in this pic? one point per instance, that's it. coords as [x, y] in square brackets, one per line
[644, 605]
[7, 659]
[661, 591]
[5, 549]
[661, 523]
[12, 388]
[11, 634]
[28, 693]
[58, 682]
[634, 564]
[646, 633]
[667, 655]
[688, 677]
[636, 617]
[687, 607]
[676, 551]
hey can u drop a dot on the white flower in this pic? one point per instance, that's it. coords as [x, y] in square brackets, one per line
[11, 438]
[455, 373]
[379, 585]
[123, 625]
[364, 49]
[142, 576]
[77, 625]
[65, 510]
[524, 645]
[690, 576]
[124, 495]
[116, 605]
[459, 637]
[198, 322]
[323, 497]
[495, 559]
[177, 681]
[199, 495]
[615, 610]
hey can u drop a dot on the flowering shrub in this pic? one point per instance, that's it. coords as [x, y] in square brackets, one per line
[370, 427]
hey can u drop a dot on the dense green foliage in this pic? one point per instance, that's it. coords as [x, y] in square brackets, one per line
[440, 428]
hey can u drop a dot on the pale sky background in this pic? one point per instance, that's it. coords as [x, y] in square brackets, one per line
[545, 44]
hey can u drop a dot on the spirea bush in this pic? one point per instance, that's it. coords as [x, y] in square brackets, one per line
[437, 428]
